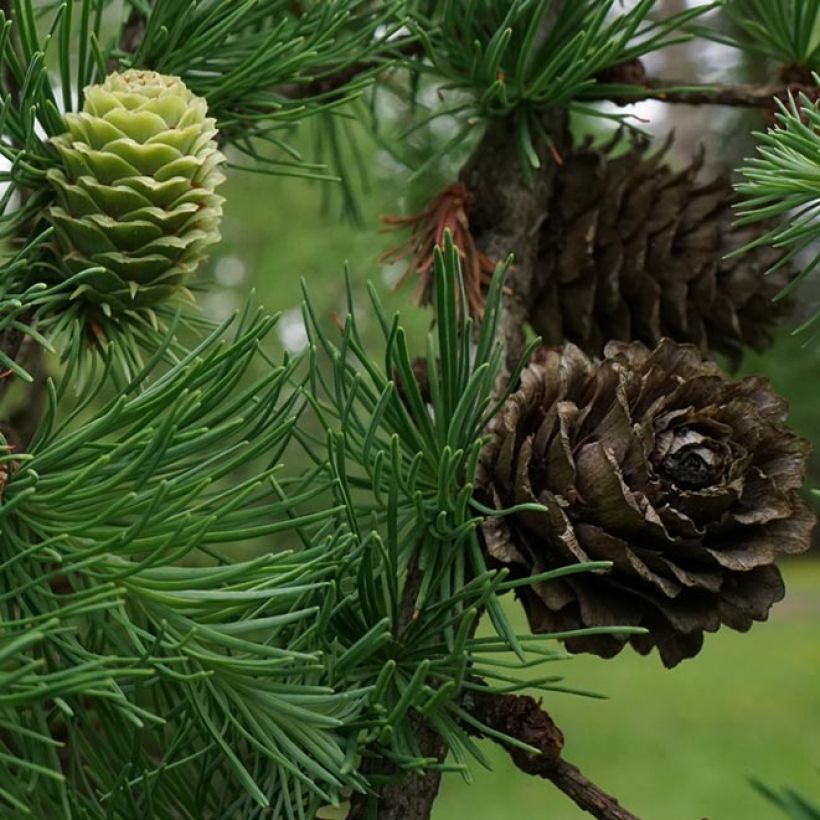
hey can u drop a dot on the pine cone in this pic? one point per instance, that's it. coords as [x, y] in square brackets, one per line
[136, 195]
[685, 479]
[635, 252]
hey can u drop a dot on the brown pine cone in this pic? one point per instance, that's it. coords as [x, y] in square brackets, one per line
[634, 251]
[655, 460]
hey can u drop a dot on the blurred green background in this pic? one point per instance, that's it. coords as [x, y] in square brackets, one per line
[670, 744]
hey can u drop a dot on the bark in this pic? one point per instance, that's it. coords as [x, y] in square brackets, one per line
[412, 797]
[507, 213]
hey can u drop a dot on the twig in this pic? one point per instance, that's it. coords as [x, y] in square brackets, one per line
[328, 85]
[131, 35]
[11, 343]
[522, 718]
[22, 423]
[744, 95]
[132, 31]
[586, 794]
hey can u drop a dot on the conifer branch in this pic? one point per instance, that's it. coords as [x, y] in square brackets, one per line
[521, 717]
[508, 202]
[145, 670]
[509, 199]
[744, 95]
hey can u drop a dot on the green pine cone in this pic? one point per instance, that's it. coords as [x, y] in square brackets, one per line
[136, 194]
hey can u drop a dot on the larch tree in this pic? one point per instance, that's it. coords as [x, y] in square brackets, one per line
[566, 437]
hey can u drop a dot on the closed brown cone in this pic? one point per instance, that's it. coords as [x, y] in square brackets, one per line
[635, 251]
[655, 460]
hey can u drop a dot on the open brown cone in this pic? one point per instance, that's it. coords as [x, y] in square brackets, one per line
[656, 461]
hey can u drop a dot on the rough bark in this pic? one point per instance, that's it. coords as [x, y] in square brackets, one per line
[507, 213]
[412, 797]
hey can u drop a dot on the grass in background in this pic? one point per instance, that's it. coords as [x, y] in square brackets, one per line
[680, 744]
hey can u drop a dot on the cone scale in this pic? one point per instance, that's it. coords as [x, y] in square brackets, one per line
[135, 197]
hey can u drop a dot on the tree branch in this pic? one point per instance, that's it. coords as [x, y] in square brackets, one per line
[507, 212]
[522, 718]
[743, 95]
[131, 35]
[132, 32]
[19, 424]
[329, 84]
[586, 794]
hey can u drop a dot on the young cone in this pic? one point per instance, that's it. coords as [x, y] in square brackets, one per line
[685, 479]
[135, 198]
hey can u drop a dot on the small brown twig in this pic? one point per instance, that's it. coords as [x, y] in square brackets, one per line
[743, 95]
[133, 31]
[11, 343]
[22, 421]
[130, 36]
[521, 717]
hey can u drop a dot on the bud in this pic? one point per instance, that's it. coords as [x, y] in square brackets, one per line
[135, 195]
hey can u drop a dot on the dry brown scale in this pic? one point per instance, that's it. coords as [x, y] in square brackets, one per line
[685, 479]
[446, 212]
